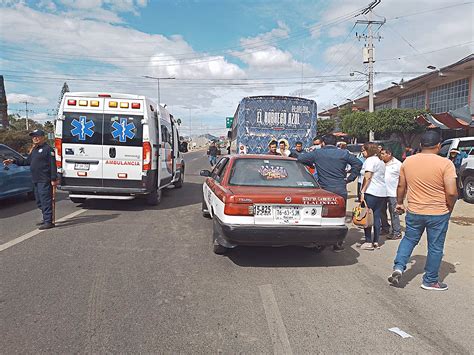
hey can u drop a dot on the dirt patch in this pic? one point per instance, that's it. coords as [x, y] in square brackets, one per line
[463, 221]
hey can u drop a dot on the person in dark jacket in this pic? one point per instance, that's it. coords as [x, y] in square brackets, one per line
[212, 154]
[297, 151]
[331, 163]
[43, 173]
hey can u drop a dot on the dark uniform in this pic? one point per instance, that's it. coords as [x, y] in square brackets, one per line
[43, 170]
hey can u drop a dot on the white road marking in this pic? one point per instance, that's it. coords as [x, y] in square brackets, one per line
[37, 231]
[281, 344]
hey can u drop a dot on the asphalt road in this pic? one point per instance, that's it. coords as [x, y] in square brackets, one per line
[124, 277]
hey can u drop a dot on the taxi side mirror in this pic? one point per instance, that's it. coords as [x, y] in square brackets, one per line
[206, 173]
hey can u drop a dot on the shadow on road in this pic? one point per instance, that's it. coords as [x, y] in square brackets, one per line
[416, 267]
[189, 194]
[98, 218]
[291, 257]
[15, 206]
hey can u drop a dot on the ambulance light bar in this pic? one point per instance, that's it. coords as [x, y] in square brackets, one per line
[112, 104]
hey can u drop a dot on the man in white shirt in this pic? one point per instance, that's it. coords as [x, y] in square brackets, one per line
[392, 175]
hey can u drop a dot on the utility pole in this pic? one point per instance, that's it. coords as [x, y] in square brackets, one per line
[26, 112]
[368, 53]
[158, 84]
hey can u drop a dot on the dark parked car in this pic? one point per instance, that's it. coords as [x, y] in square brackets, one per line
[14, 180]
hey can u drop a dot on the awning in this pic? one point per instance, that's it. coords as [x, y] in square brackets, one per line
[455, 119]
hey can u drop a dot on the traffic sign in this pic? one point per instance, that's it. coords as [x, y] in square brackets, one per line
[228, 122]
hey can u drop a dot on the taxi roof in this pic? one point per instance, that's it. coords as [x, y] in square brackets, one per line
[259, 156]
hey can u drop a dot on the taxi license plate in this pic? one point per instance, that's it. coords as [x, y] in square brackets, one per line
[81, 166]
[286, 214]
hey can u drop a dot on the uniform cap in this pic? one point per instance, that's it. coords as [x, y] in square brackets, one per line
[37, 133]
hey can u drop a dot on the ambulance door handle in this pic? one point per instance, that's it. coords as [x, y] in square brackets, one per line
[112, 152]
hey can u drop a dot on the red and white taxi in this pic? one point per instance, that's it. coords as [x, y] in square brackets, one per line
[270, 200]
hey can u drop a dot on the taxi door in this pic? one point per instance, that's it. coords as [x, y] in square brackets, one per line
[122, 142]
[82, 129]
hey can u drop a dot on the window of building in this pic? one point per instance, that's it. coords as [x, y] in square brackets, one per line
[383, 105]
[449, 96]
[416, 100]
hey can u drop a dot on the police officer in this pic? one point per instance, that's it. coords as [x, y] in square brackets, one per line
[43, 173]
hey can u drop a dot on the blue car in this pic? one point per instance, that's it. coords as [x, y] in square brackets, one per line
[14, 180]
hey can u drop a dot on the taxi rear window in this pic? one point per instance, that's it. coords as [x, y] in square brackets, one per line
[271, 172]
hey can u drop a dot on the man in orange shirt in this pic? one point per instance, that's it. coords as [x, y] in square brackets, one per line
[429, 183]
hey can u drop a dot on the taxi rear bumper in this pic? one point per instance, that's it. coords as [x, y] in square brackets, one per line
[231, 235]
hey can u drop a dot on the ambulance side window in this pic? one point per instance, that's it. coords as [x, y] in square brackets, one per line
[164, 134]
[157, 127]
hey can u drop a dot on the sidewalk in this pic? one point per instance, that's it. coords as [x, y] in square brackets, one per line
[459, 245]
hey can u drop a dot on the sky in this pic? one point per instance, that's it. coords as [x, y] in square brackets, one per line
[219, 51]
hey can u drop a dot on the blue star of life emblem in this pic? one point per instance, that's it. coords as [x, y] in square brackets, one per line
[82, 128]
[123, 130]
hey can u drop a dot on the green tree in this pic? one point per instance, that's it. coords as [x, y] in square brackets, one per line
[358, 124]
[48, 127]
[384, 123]
[326, 126]
[17, 140]
[400, 122]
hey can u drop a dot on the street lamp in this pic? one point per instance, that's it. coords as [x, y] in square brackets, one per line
[432, 67]
[158, 83]
[400, 84]
[352, 73]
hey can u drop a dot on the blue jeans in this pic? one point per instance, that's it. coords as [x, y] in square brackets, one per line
[436, 227]
[212, 160]
[44, 200]
[376, 204]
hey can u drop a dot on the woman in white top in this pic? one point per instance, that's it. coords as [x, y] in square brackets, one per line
[373, 192]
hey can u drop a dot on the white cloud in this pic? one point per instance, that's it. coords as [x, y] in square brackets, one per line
[15, 98]
[337, 31]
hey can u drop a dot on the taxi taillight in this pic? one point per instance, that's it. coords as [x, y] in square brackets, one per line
[146, 156]
[58, 147]
[333, 211]
[238, 209]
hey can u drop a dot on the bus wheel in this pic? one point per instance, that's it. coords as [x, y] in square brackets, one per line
[154, 197]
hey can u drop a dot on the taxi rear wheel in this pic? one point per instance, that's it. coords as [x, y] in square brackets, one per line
[216, 247]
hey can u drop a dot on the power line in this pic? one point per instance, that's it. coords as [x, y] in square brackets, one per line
[428, 52]
[247, 50]
[431, 10]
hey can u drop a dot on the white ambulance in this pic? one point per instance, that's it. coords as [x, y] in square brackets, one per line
[116, 146]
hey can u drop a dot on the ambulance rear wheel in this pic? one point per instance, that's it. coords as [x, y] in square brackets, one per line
[154, 197]
[179, 184]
